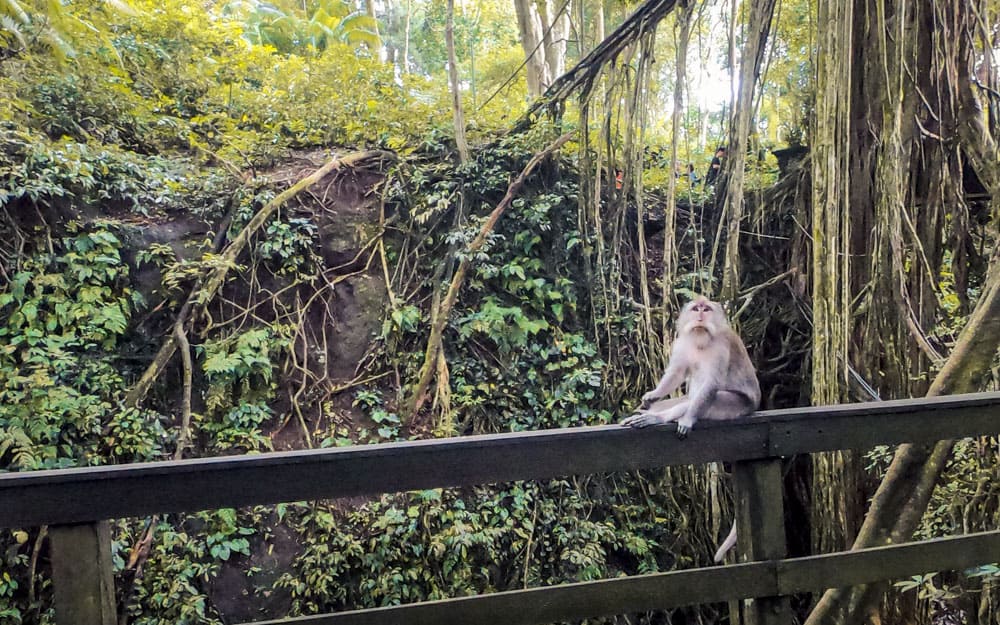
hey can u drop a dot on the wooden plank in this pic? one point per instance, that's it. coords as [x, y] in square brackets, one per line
[93, 493]
[679, 588]
[567, 602]
[862, 426]
[761, 531]
[760, 508]
[85, 494]
[851, 568]
[82, 579]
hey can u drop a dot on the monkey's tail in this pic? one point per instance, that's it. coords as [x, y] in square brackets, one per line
[727, 544]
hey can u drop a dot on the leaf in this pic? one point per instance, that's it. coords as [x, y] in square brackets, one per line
[30, 312]
[220, 363]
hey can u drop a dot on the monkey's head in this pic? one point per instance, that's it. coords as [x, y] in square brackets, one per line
[702, 315]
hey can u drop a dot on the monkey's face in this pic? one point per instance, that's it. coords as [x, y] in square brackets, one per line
[702, 315]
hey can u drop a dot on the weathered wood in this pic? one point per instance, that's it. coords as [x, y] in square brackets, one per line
[568, 602]
[81, 552]
[94, 493]
[849, 568]
[82, 579]
[74, 495]
[679, 588]
[760, 522]
[862, 426]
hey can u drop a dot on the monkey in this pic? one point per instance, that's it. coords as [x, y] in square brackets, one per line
[711, 358]
[721, 380]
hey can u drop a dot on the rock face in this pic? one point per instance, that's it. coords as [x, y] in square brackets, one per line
[362, 300]
[347, 221]
[183, 234]
[345, 211]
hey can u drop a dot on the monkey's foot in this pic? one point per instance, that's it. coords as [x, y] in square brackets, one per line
[639, 421]
[684, 425]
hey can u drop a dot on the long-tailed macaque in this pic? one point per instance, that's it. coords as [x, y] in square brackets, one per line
[721, 381]
[711, 358]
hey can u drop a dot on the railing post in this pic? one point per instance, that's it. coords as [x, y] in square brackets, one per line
[82, 577]
[760, 522]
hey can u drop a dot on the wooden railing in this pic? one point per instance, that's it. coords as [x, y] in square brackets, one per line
[76, 504]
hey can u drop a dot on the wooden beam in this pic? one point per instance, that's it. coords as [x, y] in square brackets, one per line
[91, 493]
[95, 493]
[851, 568]
[82, 579]
[862, 426]
[761, 531]
[676, 589]
[567, 602]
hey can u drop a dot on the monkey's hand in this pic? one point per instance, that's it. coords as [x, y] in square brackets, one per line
[648, 399]
[640, 420]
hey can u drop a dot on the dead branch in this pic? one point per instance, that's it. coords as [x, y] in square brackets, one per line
[184, 437]
[585, 72]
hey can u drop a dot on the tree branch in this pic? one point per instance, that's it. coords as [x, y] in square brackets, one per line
[586, 71]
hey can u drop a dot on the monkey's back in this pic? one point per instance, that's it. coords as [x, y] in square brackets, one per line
[742, 377]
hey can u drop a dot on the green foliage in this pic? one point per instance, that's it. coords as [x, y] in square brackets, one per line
[437, 544]
[186, 555]
[88, 174]
[239, 371]
[224, 536]
[50, 25]
[288, 246]
[132, 434]
[148, 90]
[9, 591]
[515, 356]
[308, 29]
[242, 359]
[64, 314]
[179, 564]
[242, 428]
[386, 424]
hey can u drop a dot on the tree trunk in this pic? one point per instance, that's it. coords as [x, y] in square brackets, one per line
[754, 43]
[833, 474]
[555, 28]
[530, 27]
[670, 207]
[456, 88]
[901, 499]
[406, 38]
[898, 52]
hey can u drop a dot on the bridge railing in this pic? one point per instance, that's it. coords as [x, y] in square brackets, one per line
[76, 504]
